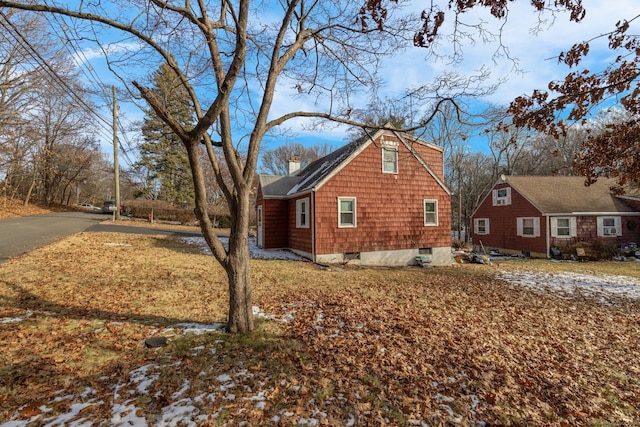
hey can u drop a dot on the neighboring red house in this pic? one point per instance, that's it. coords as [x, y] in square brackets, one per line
[530, 214]
[380, 200]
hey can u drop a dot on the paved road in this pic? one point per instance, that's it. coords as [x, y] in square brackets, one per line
[24, 234]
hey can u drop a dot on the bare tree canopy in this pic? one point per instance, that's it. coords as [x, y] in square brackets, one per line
[276, 161]
[613, 151]
[247, 74]
[242, 71]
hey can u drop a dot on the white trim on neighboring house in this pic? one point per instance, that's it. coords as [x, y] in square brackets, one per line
[609, 226]
[501, 200]
[565, 222]
[313, 226]
[535, 226]
[476, 226]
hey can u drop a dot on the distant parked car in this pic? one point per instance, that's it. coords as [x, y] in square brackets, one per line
[88, 206]
[109, 206]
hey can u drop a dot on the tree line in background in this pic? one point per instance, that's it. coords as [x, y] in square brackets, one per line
[238, 66]
[48, 154]
[469, 171]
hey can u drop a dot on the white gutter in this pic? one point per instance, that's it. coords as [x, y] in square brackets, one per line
[548, 236]
[313, 222]
[592, 214]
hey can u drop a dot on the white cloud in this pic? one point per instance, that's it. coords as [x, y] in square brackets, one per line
[535, 54]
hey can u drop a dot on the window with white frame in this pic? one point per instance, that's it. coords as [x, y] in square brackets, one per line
[502, 196]
[302, 213]
[563, 227]
[481, 225]
[609, 226]
[528, 227]
[346, 212]
[389, 159]
[430, 212]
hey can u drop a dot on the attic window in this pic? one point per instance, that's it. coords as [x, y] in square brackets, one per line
[389, 156]
[502, 196]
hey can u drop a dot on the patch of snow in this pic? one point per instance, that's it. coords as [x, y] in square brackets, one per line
[258, 312]
[185, 387]
[126, 415]
[254, 251]
[141, 377]
[198, 328]
[224, 378]
[177, 413]
[602, 287]
[16, 319]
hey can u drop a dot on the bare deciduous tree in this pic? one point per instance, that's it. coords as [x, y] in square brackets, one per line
[275, 161]
[242, 70]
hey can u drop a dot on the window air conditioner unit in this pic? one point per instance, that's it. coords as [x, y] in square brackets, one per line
[610, 231]
[500, 202]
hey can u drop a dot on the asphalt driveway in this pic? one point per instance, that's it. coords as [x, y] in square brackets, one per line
[24, 234]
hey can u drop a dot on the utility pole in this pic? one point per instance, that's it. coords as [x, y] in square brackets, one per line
[116, 166]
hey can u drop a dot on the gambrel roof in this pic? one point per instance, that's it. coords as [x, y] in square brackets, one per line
[568, 194]
[317, 172]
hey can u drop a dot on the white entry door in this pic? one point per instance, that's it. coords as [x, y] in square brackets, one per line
[259, 225]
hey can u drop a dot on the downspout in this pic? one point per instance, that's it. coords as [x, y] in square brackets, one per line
[547, 237]
[313, 224]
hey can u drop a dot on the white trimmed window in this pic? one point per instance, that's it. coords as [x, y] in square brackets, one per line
[528, 227]
[502, 196]
[346, 212]
[389, 159]
[430, 212]
[563, 227]
[481, 225]
[302, 213]
[609, 226]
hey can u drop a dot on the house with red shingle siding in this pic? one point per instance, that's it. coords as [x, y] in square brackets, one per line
[380, 200]
[531, 214]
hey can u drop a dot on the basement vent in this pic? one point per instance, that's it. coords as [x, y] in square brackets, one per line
[425, 251]
[349, 256]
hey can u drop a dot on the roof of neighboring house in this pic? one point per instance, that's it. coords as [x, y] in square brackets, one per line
[315, 172]
[568, 194]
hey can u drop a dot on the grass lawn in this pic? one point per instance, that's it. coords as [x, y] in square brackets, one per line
[437, 346]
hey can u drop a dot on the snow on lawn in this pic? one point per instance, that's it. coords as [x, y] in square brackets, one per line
[604, 288]
[254, 251]
[123, 410]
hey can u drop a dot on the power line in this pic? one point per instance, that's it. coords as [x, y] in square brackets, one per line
[87, 69]
[48, 69]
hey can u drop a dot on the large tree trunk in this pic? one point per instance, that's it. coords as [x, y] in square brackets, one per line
[238, 269]
[240, 308]
[236, 259]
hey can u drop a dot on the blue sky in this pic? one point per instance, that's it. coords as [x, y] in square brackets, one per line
[535, 54]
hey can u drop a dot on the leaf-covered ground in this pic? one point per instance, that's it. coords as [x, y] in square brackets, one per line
[410, 346]
[13, 208]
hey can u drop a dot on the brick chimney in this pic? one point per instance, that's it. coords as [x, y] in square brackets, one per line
[293, 165]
